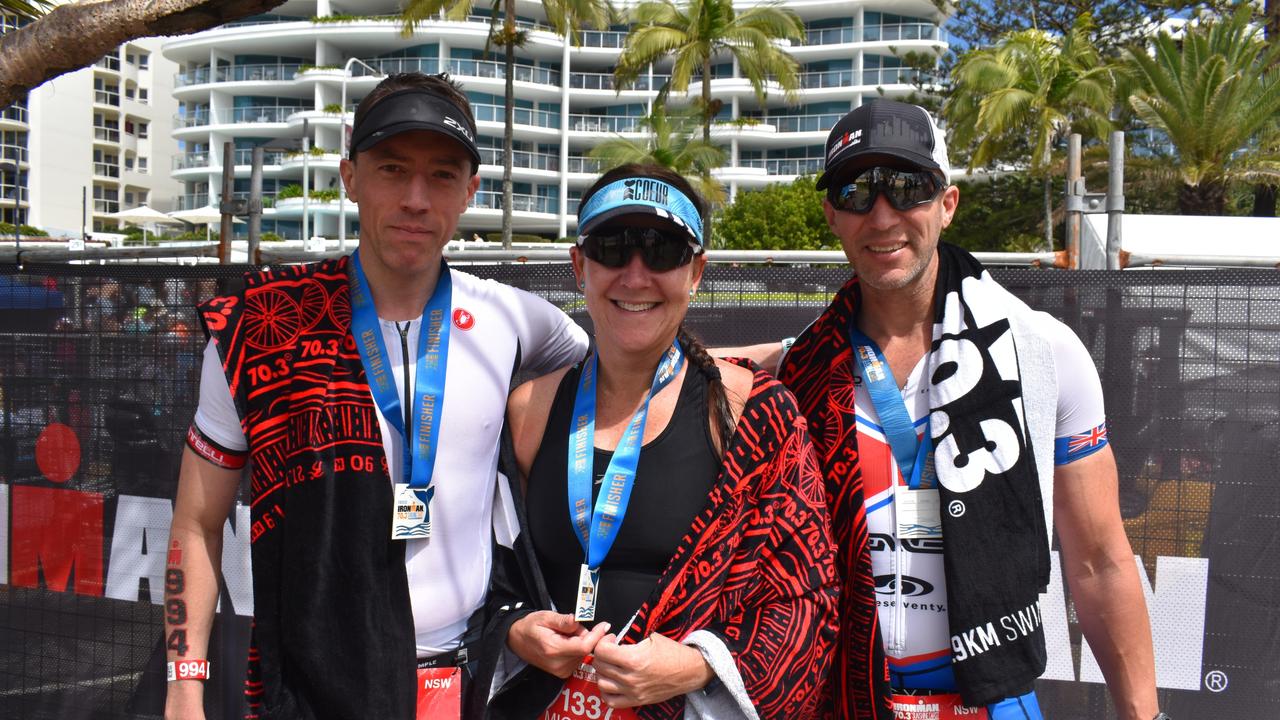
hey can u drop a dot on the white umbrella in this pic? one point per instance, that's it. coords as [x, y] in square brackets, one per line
[208, 216]
[144, 216]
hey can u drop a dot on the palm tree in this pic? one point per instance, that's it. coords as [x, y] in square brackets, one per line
[671, 142]
[1023, 96]
[696, 33]
[1215, 94]
[567, 18]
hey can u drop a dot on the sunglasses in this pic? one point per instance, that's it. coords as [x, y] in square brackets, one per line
[660, 250]
[904, 189]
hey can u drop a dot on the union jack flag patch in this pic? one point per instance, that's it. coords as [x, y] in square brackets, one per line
[1073, 447]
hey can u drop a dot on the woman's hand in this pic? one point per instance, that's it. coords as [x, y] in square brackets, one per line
[553, 642]
[654, 669]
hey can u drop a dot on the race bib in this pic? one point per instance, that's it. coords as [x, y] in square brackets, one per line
[580, 699]
[935, 707]
[439, 693]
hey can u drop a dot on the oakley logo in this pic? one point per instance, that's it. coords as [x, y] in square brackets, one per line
[646, 190]
[459, 127]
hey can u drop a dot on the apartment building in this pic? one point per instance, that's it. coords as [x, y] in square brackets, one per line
[93, 142]
[271, 79]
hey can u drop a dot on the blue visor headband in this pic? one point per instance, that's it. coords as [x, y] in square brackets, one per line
[640, 195]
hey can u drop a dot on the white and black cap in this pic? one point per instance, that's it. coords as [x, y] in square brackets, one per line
[885, 131]
[414, 109]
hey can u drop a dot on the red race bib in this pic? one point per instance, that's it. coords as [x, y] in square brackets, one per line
[439, 693]
[935, 707]
[580, 699]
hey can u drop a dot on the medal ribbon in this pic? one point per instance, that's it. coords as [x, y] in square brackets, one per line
[910, 450]
[428, 391]
[597, 529]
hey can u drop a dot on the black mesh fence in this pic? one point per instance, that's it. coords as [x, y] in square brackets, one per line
[98, 377]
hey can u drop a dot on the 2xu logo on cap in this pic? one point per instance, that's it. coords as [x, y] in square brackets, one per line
[459, 127]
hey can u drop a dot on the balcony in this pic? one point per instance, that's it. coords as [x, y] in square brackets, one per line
[111, 170]
[522, 159]
[785, 166]
[106, 206]
[13, 153]
[895, 76]
[494, 69]
[194, 76]
[604, 123]
[109, 62]
[257, 73]
[904, 31]
[106, 134]
[827, 79]
[520, 202]
[875, 33]
[580, 164]
[604, 38]
[244, 156]
[520, 24]
[191, 118]
[15, 113]
[523, 116]
[103, 97]
[192, 201]
[389, 66]
[257, 114]
[803, 123]
[604, 81]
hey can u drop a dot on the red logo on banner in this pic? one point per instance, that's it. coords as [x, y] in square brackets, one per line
[463, 320]
[58, 452]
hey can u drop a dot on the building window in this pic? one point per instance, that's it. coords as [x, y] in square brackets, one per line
[142, 164]
[131, 58]
[128, 127]
[128, 164]
[128, 199]
[128, 93]
[143, 130]
[143, 96]
[144, 61]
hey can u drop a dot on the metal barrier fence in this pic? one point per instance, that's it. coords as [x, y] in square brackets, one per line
[98, 369]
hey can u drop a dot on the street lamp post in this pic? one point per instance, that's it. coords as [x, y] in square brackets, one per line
[342, 151]
[11, 168]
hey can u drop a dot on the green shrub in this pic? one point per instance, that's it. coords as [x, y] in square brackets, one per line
[270, 237]
[289, 191]
[6, 231]
[333, 109]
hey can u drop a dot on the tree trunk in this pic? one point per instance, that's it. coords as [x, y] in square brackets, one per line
[76, 35]
[1264, 200]
[1048, 213]
[1207, 198]
[509, 123]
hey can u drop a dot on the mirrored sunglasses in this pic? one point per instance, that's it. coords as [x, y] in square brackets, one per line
[904, 189]
[661, 250]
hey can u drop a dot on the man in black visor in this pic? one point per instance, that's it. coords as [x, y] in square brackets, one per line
[368, 393]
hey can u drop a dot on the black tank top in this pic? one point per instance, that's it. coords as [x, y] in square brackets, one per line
[673, 478]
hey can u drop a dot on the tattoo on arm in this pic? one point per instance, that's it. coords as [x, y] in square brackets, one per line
[175, 607]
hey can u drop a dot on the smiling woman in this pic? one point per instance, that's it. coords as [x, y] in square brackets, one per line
[669, 496]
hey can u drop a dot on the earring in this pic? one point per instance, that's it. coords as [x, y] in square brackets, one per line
[692, 292]
[582, 284]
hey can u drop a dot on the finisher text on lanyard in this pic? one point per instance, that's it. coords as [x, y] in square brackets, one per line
[597, 530]
[411, 512]
[916, 506]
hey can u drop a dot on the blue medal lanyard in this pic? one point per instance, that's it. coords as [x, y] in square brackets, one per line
[911, 451]
[596, 530]
[419, 455]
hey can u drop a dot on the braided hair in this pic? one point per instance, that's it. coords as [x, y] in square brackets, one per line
[717, 398]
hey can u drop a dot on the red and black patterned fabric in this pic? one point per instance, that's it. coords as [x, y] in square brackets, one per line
[333, 632]
[819, 371]
[757, 568]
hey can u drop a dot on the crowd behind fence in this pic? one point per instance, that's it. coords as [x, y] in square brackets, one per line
[98, 374]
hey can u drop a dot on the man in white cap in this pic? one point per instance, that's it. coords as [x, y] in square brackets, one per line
[369, 394]
[957, 427]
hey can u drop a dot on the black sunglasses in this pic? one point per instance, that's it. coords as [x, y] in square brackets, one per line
[660, 250]
[904, 189]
